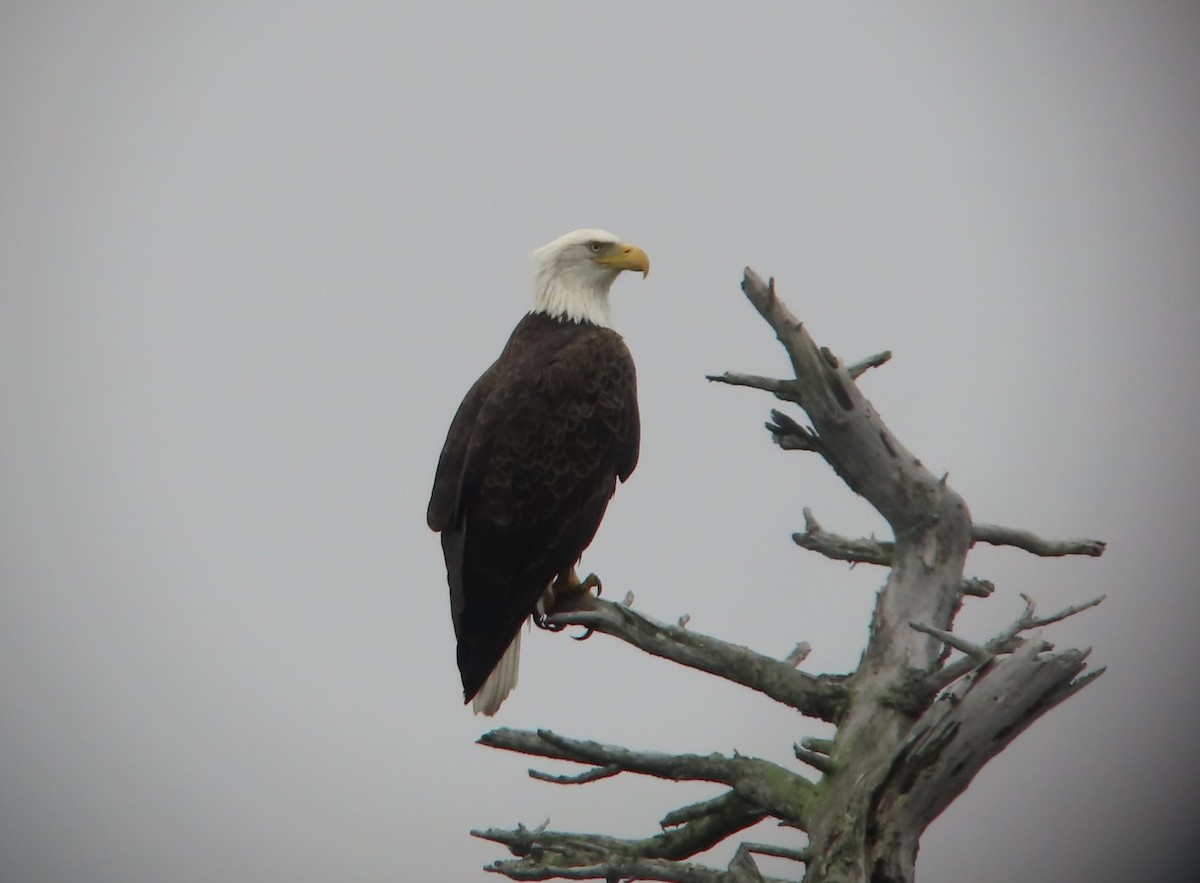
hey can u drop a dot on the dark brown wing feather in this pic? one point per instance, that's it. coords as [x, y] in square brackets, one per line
[529, 465]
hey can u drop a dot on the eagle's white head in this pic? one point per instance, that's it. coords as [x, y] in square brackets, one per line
[575, 272]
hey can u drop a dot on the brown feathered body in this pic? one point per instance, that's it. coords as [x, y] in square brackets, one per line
[529, 464]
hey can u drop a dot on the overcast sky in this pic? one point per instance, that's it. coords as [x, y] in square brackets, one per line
[252, 255]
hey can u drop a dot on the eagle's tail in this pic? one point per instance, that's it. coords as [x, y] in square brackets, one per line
[500, 682]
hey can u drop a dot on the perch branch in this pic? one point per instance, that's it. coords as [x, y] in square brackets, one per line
[819, 697]
[1031, 542]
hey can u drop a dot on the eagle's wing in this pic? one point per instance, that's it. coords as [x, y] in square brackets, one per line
[460, 460]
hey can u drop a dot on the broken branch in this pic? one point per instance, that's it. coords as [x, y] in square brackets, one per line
[859, 368]
[781, 389]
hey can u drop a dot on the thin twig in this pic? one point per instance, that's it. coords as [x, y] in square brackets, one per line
[781, 389]
[1007, 641]
[592, 775]
[1032, 622]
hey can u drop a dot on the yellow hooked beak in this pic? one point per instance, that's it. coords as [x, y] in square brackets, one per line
[623, 256]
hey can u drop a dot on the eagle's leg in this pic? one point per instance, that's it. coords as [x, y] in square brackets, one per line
[565, 585]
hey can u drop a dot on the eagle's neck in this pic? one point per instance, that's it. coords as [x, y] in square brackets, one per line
[578, 296]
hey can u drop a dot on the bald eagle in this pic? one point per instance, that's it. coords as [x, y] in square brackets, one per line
[533, 457]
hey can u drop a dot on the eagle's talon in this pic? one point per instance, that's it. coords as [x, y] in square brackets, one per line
[587, 634]
[569, 584]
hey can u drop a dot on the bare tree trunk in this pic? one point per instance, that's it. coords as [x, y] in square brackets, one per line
[924, 711]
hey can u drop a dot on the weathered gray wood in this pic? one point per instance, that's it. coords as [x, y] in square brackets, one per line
[758, 782]
[819, 697]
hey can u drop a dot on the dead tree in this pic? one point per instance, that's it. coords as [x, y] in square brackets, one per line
[919, 717]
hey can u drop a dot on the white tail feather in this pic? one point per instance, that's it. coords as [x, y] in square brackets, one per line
[500, 682]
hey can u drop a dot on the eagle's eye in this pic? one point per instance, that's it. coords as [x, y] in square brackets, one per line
[594, 246]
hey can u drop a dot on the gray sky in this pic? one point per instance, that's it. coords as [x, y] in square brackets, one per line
[251, 257]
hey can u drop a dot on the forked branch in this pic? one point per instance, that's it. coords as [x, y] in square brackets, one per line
[759, 783]
[1007, 641]
[537, 848]
[865, 550]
